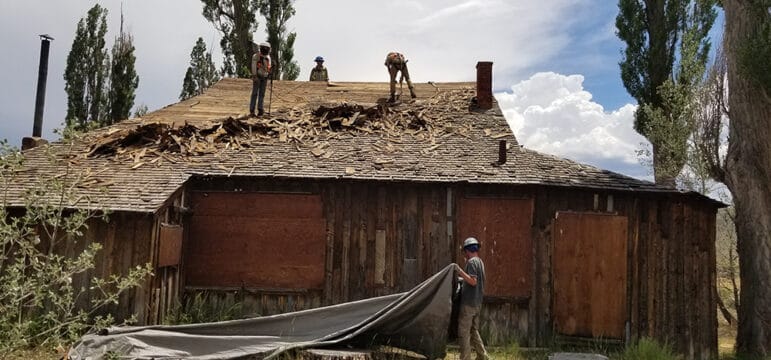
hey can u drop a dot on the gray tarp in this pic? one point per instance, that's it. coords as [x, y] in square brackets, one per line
[416, 320]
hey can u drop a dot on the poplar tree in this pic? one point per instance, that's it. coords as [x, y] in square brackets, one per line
[667, 46]
[87, 72]
[201, 74]
[123, 77]
[277, 13]
[748, 166]
[236, 20]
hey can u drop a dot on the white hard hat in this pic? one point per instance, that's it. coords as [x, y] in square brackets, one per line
[265, 44]
[470, 241]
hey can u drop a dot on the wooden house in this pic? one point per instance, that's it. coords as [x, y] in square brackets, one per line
[336, 196]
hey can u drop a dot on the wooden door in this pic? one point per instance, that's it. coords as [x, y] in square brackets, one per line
[502, 226]
[589, 266]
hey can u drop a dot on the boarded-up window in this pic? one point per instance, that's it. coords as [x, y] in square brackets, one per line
[274, 241]
[589, 267]
[170, 247]
[503, 228]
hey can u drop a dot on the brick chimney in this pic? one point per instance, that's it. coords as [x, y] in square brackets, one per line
[485, 85]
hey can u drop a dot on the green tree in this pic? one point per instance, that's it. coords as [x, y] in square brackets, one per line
[666, 54]
[201, 74]
[87, 71]
[290, 69]
[236, 20]
[747, 40]
[123, 77]
[277, 13]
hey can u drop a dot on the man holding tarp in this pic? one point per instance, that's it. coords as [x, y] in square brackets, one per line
[472, 293]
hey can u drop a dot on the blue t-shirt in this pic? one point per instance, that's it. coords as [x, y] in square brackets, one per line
[473, 295]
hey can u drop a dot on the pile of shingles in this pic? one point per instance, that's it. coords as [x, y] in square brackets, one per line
[307, 128]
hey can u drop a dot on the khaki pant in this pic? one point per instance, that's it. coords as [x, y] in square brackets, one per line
[392, 70]
[468, 333]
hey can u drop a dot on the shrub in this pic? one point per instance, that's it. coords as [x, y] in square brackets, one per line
[38, 301]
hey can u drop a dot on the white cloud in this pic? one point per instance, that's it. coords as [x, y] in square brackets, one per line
[443, 39]
[552, 113]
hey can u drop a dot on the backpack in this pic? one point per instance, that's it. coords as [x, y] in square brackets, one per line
[395, 58]
[263, 66]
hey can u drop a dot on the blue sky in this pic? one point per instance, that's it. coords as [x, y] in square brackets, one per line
[555, 61]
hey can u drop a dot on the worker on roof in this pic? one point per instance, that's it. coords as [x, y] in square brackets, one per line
[395, 62]
[319, 72]
[260, 74]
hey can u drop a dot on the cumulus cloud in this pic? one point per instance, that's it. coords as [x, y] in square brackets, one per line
[552, 113]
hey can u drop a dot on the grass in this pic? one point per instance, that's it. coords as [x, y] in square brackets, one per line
[648, 349]
[34, 354]
[726, 339]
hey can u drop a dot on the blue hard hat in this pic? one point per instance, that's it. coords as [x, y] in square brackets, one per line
[319, 58]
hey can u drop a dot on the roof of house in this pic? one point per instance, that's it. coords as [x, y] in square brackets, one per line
[315, 131]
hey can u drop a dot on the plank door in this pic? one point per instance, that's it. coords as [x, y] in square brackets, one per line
[502, 226]
[589, 266]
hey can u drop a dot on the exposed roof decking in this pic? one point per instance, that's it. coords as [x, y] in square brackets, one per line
[456, 145]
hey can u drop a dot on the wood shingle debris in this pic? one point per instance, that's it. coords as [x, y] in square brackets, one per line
[308, 127]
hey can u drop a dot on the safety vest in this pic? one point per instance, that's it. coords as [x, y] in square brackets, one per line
[263, 65]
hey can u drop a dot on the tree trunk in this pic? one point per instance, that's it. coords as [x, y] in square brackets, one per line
[662, 165]
[748, 164]
[729, 318]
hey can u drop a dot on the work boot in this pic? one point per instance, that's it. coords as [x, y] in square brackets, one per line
[413, 95]
[260, 112]
[391, 99]
[251, 115]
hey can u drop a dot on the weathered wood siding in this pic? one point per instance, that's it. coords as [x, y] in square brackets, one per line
[670, 290]
[382, 238]
[163, 294]
[378, 240]
[673, 277]
[125, 245]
